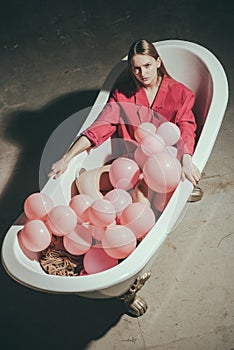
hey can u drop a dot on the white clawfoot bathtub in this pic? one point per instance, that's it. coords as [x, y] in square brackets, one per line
[200, 70]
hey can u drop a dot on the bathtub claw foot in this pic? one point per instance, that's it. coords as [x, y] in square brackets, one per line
[196, 194]
[136, 306]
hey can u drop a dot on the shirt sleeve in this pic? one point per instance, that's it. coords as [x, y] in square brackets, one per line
[106, 123]
[186, 122]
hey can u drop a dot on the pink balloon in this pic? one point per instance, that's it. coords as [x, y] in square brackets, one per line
[162, 172]
[102, 213]
[35, 236]
[79, 241]
[124, 173]
[37, 206]
[80, 203]
[96, 260]
[144, 129]
[139, 218]
[28, 253]
[119, 198]
[118, 241]
[83, 273]
[169, 132]
[140, 157]
[61, 220]
[160, 200]
[172, 150]
[97, 232]
[152, 144]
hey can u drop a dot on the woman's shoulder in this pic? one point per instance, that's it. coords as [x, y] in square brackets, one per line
[176, 86]
[124, 88]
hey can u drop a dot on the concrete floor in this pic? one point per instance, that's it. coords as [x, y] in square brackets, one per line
[54, 57]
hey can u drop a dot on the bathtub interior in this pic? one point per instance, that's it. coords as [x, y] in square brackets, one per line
[184, 65]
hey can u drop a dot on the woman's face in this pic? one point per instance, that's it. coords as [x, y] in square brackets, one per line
[145, 69]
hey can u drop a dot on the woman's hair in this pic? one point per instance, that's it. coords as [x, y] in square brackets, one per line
[128, 83]
[144, 47]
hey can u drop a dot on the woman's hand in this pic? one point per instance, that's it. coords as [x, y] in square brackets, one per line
[189, 170]
[80, 145]
[59, 167]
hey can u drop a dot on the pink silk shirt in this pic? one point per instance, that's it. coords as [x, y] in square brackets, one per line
[124, 112]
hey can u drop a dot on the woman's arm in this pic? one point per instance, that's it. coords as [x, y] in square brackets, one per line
[82, 144]
[100, 130]
[186, 121]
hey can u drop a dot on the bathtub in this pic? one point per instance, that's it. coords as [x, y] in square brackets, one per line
[200, 70]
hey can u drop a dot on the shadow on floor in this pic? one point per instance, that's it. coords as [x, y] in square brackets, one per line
[29, 131]
[34, 320]
[30, 319]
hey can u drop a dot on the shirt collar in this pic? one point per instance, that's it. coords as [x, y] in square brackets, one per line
[141, 98]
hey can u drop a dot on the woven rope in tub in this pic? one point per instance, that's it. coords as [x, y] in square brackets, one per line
[55, 260]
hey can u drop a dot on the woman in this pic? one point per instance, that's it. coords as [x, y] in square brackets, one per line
[149, 94]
